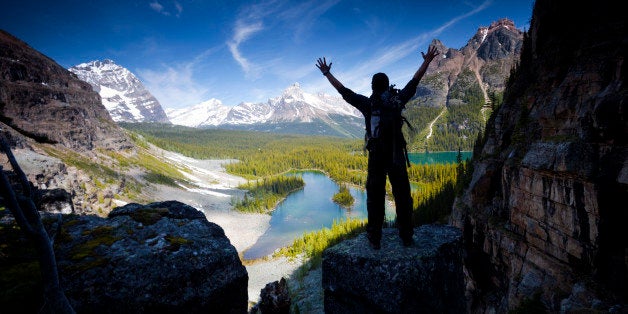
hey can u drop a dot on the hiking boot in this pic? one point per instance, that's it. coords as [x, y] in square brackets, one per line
[407, 242]
[373, 243]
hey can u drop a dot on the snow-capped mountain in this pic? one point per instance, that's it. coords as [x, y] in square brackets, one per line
[207, 113]
[122, 93]
[293, 112]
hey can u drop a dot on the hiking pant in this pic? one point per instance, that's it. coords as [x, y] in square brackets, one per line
[387, 160]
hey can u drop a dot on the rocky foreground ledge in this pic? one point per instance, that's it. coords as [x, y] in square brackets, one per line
[424, 278]
[157, 258]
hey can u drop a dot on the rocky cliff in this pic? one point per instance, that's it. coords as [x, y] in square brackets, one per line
[43, 101]
[62, 135]
[464, 83]
[424, 278]
[543, 218]
[487, 58]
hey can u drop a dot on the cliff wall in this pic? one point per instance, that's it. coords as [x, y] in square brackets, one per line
[543, 218]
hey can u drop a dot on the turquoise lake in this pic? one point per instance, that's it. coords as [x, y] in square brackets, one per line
[312, 208]
[437, 157]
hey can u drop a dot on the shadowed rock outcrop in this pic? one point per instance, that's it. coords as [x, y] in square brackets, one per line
[45, 102]
[159, 258]
[544, 216]
[424, 278]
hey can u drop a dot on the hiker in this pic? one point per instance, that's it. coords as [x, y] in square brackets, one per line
[386, 146]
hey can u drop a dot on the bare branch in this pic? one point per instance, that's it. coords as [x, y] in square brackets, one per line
[28, 218]
[26, 187]
[12, 203]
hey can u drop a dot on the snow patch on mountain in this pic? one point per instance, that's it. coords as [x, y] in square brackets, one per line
[294, 105]
[208, 113]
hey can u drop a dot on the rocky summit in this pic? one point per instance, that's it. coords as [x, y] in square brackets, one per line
[424, 278]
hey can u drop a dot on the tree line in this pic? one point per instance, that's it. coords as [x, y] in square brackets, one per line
[263, 195]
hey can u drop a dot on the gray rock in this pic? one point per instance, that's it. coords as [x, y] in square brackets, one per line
[426, 277]
[55, 201]
[161, 257]
[274, 298]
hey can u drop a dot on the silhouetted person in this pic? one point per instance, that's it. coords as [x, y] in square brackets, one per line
[386, 146]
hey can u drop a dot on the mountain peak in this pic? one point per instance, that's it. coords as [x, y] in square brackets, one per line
[503, 22]
[497, 41]
[293, 92]
[122, 93]
[294, 88]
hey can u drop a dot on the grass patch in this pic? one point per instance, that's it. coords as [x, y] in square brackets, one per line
[176, 242]
[101, 235]
[148, 216]
[158, 178]
[95, 169]
[312, 244]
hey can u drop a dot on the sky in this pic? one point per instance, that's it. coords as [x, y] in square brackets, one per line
[189, 51]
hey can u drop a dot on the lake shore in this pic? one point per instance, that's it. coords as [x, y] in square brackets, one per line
[212, 193]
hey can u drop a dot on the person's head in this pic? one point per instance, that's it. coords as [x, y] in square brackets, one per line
[379, 84]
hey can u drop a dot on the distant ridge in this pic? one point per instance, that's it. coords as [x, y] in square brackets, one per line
[293, 112]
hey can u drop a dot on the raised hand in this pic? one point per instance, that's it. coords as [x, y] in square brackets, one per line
[323, 66]
[431, 53]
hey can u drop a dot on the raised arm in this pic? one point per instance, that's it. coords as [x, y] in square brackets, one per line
[427, 58]
[324, 67]
[410, 89]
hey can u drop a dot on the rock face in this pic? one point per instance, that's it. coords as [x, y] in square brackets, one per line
[466, 80]
[424, 278]
[43, 101]
[544, 216]
[485, 61]
[161, 258]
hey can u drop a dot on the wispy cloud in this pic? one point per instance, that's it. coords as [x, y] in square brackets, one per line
[179, 8]
[360, 75]
[159, 8]
[253, 19]
[305, 15]
[175, 85]
[242, 31]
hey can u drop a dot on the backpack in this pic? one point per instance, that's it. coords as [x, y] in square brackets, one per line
[386, 118]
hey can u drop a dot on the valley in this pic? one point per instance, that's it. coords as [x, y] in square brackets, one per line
[104, 167]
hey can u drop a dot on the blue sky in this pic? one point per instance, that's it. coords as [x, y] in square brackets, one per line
[189, 51]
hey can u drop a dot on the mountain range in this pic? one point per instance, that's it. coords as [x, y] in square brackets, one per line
[294, 111]
[463, 82]
[452, 102]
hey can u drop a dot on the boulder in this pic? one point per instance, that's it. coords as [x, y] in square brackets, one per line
[274, 298]
[55, 201]
[161, 257]
[424, 278]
